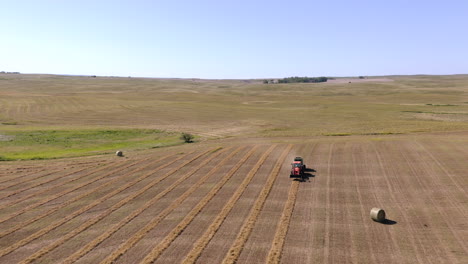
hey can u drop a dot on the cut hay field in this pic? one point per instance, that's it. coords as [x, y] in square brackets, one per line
[236, 204]
[397, 143]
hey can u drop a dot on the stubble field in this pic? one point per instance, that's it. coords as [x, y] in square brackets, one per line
[237, 204]
[231, 200]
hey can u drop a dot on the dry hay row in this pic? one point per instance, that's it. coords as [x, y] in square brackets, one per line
[446, 219]
[32, 186]
[249, 223]
[50, 188]
[166, 242]
[157, 219]
[201, 243]
[107, 212]
[96, 202]
[37, 184]
[76, 198]
[274, 256]
[46, 189]
[58, 195]
[16, 176]
[113, 229]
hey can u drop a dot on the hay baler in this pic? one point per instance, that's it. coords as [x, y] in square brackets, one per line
[298, 168]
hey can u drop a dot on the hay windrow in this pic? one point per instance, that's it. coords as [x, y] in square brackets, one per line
[238, 245]
[58, 185]
[157, 251]
[201, 243]
[78, 254]
[49, 188]
[58, 207]
[274, 256]
[60, 222]
[28, 187]
[129, 243]
[26, 175]
[113, 208]
[26, 180]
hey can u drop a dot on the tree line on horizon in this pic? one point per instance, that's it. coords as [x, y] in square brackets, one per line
[298, 80]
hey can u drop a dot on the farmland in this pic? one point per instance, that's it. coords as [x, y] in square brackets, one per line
[398, 144]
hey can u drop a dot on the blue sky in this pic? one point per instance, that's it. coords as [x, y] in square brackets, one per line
[234, 39]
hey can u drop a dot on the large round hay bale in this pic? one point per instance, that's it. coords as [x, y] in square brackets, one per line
[119, 153]
[377, 214]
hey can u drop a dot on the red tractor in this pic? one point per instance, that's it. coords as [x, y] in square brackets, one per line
[298, 168]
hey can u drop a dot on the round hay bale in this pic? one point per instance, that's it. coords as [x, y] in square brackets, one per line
[377, 214]
[119, 153]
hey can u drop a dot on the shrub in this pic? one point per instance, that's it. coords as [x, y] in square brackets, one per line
[188, 138]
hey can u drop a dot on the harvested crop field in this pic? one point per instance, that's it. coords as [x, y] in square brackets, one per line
[235, 203]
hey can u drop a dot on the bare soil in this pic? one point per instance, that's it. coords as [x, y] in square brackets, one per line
[237, 204]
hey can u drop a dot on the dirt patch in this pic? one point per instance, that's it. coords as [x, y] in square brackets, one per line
[6, 138]
[353, 80]
[258, 102]
[452, 117]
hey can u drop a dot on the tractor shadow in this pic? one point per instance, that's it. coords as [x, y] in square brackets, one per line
[307, 176]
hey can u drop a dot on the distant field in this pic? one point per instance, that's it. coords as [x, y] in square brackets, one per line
[220, 108]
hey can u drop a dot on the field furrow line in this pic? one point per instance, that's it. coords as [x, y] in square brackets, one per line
[58, 195]
[20, 176]
[29, 187]
[392, 191]
[155, 221]
[274, 256]
[166, 242]
[201, 243]
[91, 245]
[326, 242]
[348, 213]
[449, 175]
[414, 175]
[453, 198]
[107, 212]
[238, 245]
[446, 219]
[364, 215]
[96, 202]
